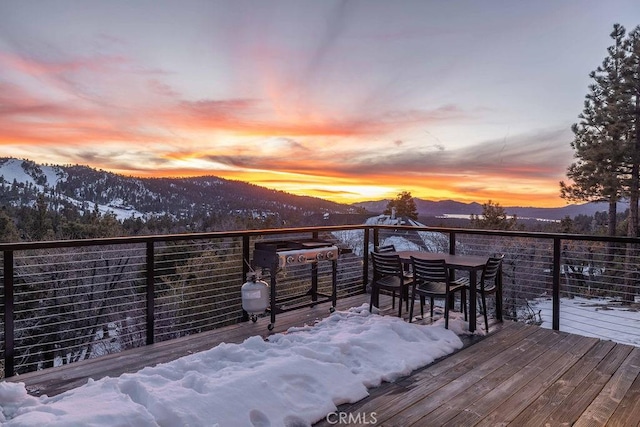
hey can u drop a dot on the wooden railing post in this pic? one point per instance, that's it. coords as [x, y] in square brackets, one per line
[150, 293]
[556, 283]
[9, 336]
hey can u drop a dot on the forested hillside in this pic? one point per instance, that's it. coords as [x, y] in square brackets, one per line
[60, 202]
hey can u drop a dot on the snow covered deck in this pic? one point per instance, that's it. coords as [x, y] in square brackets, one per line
[54, 381]
[519, 374]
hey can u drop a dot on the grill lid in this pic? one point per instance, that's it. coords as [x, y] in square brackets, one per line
[284, 245]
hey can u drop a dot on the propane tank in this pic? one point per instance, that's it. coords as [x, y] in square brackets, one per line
[255, 295]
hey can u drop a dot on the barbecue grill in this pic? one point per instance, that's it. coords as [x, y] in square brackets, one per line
[276, 255]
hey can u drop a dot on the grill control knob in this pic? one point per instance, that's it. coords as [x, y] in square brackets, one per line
[320, 256]
[302, 258]
[290, 259]
[331, 255]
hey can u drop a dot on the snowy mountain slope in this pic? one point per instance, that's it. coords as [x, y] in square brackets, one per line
[84, 188]
[46, 179]
[28, 172]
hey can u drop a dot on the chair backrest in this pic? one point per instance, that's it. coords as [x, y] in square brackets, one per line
[492, 268]
[385, 248]
[385, 264]
[425, 270]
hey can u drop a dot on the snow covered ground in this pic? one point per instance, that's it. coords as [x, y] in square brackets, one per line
[602, 318]
[292, 379]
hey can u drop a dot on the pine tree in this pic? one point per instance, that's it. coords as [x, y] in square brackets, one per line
[631, 90]
[8, 230]
[41, 227]
[494, 217]
[600, 138]
[404, 205]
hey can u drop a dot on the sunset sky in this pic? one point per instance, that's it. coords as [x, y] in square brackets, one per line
[345, 100]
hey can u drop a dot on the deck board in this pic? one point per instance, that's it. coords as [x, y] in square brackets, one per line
[456, 401]
[507, 399]
[619, 401]
[588, 390]
[519, 375]
[536, 410]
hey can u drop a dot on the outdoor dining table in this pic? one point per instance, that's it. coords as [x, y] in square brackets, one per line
[471, 263]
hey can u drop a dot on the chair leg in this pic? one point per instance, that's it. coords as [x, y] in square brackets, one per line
[413, 300]
[431, 309]
[393, 299]
[446, 313]
[463, 296]
[400, 303]
[484, 311]
[373, 292]
[422, 306]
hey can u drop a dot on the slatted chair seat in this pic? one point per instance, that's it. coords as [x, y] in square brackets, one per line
[465, 281]
[390, 282]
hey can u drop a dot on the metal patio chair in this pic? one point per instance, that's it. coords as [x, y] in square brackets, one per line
[388, 274]
[487, 285]
[431, 279]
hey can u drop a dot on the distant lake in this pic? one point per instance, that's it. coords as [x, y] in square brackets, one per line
[468, 216]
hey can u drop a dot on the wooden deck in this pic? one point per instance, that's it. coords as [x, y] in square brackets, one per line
[518, 375]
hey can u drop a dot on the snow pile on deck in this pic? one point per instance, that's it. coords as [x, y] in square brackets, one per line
[295, 378]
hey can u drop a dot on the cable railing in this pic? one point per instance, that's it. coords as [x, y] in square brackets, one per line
[66, 301]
